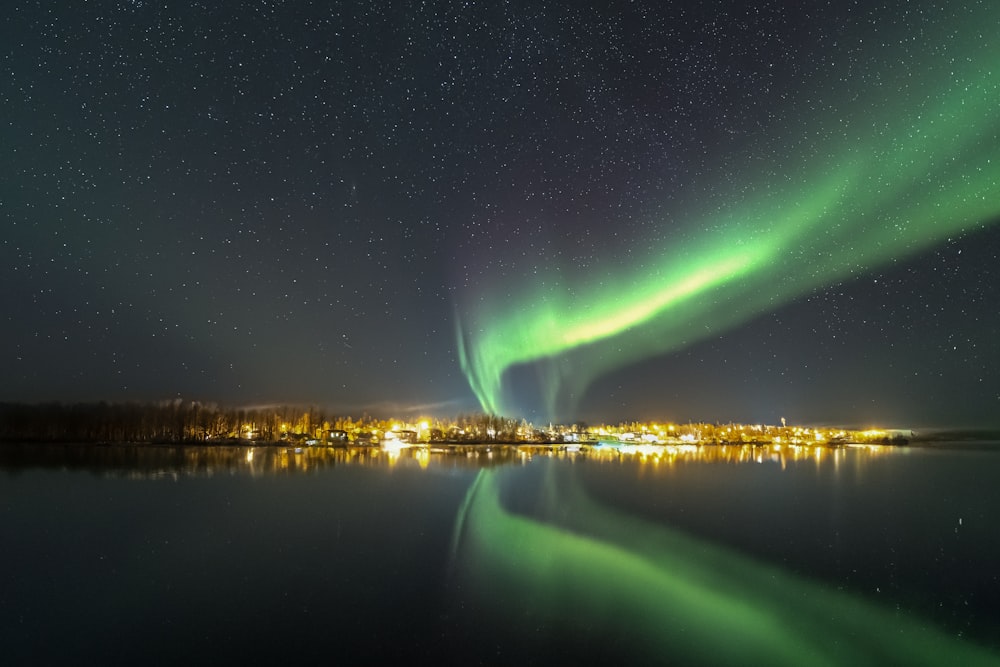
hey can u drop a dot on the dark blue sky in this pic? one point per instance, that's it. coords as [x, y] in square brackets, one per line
[270, 202]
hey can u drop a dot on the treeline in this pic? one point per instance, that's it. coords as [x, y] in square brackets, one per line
[168, 421]
[490, 428]
[180, 421]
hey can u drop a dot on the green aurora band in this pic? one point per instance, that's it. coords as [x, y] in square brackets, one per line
[669, 597]
[887, 165]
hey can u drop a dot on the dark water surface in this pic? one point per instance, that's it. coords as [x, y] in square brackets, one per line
[738, 555]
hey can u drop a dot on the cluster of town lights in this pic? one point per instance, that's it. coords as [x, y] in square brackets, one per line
[396, 434]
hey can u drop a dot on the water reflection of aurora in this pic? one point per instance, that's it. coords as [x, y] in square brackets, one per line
[859, 177]
[671, 597]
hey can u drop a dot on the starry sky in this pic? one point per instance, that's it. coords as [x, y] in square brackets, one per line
[557, 210]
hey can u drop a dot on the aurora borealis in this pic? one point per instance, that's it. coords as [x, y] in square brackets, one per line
[880, 173]
[696, 210]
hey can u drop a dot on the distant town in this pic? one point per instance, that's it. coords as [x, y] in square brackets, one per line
[180, 421]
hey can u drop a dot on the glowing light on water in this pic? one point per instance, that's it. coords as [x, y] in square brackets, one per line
[875, 174]
[667, 594]
[393, 448]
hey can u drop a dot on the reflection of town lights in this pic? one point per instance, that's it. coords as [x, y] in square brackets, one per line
[392, 446]
[423, 457]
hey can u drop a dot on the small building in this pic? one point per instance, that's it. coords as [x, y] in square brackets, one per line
[336, 437]
[404, 436]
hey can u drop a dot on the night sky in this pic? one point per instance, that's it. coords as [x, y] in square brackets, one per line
[558, 210]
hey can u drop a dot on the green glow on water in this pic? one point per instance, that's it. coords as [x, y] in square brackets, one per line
[874, 174]
[671, 595]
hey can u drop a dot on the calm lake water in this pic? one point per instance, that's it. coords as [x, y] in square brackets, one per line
[713, 555]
